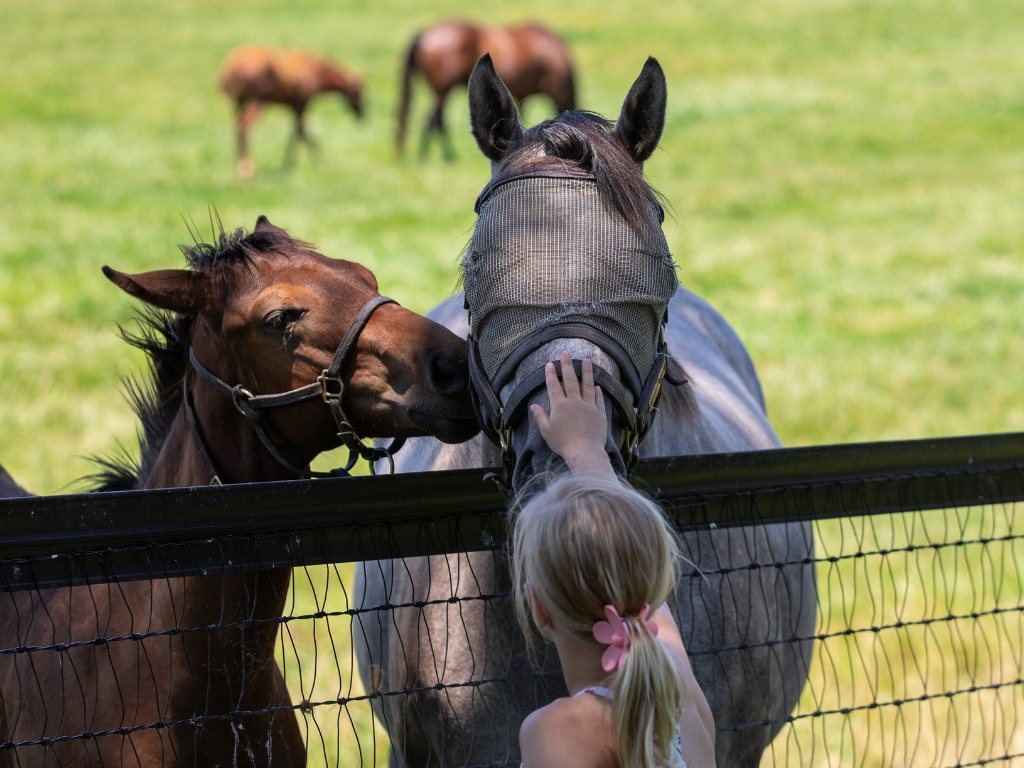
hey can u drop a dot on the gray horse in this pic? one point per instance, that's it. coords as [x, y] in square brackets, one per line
[459, 657]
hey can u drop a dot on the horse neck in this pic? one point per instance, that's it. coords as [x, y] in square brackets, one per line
[232, 443]
[239, 457]
[333, 79]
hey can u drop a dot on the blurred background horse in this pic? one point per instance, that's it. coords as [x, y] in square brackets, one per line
[254, 75]
[530, 59]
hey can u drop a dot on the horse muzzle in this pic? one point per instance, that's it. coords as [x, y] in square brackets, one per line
[533, 458]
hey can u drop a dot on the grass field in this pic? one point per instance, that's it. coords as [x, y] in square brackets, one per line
[847, 178]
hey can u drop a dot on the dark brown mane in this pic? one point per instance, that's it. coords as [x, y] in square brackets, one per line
[165, 338]
[239, 247]
[584, 141]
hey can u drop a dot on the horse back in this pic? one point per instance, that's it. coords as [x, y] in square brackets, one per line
[257, 73]
[446, 54]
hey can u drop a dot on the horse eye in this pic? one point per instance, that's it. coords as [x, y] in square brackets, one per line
[282, 318]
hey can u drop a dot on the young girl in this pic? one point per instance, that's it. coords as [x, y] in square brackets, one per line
[593, 564]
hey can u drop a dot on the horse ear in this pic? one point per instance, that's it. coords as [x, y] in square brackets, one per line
[493, 116]
[642, 119]
[366, 274]
[174, 289]
[263, 225]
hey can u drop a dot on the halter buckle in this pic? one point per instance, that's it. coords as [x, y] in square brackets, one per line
[504, 434]
[323, 380]
[236, 392]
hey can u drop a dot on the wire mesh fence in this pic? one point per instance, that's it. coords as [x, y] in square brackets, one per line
[233, 640]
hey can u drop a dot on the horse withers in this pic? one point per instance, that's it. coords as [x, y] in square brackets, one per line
[530, 59]
[253, 76]
[267, 314]
[568, 255]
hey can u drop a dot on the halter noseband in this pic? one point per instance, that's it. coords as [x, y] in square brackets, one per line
[636, 405]
[328, 386]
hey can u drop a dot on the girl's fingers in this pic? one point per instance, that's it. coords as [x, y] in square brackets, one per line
[599, 402]
[572, 384]
[588, 381]
[554, 385]
[541, 417]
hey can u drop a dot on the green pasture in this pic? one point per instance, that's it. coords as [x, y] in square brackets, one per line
[847, 179]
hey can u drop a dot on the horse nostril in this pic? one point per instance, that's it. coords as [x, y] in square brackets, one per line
[447, 375]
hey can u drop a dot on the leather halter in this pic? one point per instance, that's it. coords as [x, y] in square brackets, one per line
[329, 386]
[636, 405]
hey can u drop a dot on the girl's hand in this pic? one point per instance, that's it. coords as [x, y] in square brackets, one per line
[577, 427]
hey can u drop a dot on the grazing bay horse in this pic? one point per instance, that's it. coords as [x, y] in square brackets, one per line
[576, 173]
[267, 313]
[253, 76]
[530, 59]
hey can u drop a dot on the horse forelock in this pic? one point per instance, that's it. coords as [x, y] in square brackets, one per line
[585, 141]
[240, 247]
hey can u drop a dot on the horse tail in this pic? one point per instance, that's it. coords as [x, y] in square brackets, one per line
[569, 103]
[403, 108]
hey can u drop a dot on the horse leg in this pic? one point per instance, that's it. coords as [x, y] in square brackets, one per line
[436, 123]
[446, 139]
[291, 150]
[245, 118]
[300, 130]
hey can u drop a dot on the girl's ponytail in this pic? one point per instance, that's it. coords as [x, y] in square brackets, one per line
[647, 700]
[589, 548]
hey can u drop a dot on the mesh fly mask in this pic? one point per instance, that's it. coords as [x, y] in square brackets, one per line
[550, 260]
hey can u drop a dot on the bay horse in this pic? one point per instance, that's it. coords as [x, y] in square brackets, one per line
[268, 312]
[530, 59]
[254, 75]
[728, 601]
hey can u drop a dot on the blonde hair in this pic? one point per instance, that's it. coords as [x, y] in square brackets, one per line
[583, 544]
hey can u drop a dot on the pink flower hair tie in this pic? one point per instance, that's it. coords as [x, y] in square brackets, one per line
[615, 633]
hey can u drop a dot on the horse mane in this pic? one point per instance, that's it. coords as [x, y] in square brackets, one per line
[585, 141]
[165, 338]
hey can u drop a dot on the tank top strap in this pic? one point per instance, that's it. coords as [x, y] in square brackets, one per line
[677, 745]
[596, 690]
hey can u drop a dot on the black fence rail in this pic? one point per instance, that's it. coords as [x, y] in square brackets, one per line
[220, 626]
[90, 538]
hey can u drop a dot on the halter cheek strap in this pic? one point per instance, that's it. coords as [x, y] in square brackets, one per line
[329, 386]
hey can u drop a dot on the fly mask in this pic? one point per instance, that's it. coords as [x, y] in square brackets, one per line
[550, 260]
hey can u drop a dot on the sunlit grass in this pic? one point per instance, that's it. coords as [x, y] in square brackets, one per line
[936, 604]
[318, 662]
[847, 178]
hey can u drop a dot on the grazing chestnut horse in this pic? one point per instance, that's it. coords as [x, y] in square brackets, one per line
[253, 75]
[267, 312]
[530, 59]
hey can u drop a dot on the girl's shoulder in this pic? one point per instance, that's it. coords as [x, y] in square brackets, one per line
[577, 730]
